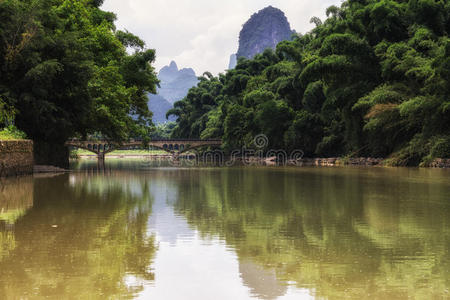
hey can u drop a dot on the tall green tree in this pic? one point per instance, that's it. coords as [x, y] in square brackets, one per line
[66, 71]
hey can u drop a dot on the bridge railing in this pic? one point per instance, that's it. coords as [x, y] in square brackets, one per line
[151, 141]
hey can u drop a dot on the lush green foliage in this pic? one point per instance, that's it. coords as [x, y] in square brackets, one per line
[163, 130]
[7, 113]
[65, 71]
[372, 80]
[11, 133]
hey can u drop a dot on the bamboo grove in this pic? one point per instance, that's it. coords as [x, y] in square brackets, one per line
[373, 79]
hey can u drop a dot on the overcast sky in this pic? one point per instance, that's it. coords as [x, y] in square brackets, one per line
[202, 34]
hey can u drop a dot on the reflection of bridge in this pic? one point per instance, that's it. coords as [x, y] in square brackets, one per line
[174, 146]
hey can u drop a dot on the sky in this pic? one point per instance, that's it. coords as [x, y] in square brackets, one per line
[202, 34]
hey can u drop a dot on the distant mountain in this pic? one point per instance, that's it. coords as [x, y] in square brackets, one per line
[159, 106]
[174, 86]
[265, 29]
[168, 73]
[176, 83]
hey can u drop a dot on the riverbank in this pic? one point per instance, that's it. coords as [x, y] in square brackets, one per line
[362, 161]
[272, 161]
[17, 158]
[335, 161]
[353, 161]
[440, 163]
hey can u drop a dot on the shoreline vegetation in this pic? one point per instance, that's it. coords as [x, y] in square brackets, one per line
[11, 133]
[268, 161]
[372, 80]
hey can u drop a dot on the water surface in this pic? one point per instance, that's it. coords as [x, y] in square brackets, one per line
[136, 231]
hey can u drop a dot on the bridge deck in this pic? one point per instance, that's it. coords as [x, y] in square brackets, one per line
[173, 146]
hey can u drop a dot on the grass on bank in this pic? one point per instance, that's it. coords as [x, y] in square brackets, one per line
[122, 152]
[11, 133]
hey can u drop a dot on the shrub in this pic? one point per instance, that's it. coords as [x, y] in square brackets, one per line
[11, 133]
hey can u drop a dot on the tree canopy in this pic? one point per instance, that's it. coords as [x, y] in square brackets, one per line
[66, 72]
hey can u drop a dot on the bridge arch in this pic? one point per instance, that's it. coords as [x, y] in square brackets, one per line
[163, 147]
[88, 147]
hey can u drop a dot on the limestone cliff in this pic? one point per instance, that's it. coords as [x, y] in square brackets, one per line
[265, 29]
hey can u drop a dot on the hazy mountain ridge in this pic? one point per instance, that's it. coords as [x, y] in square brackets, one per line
[159, 106]
[174, 86]
[176, 83]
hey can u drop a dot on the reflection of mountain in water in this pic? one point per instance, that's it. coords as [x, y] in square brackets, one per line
[263, 283]
[179, 242]
[341, 233]
[167, 226]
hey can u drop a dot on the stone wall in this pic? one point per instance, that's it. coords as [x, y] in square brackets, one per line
[16, 157]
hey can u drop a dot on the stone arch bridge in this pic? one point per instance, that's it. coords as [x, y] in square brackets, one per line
[173, 146]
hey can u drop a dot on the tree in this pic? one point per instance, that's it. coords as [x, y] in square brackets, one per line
[67, 73]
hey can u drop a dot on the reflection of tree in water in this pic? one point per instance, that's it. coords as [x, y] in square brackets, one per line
[342, 233]
[16, 197]
[84, 235]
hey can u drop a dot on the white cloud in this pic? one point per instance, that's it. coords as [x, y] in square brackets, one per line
[202, 34]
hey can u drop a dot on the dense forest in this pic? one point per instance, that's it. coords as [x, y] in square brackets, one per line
[373, 79]
[65, 72]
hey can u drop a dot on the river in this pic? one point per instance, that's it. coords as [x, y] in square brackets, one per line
[137, 231]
